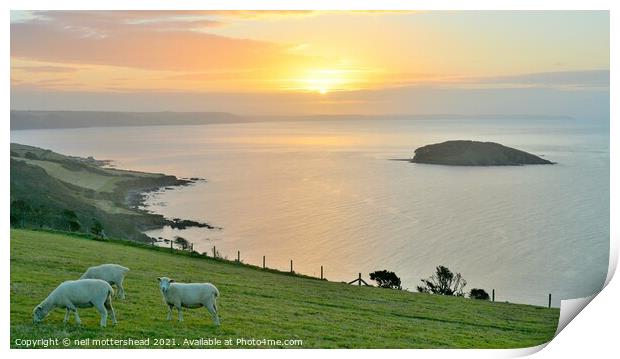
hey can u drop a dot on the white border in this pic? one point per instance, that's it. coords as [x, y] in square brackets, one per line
[592, 332]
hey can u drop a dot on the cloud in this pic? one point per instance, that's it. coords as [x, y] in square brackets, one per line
[138, 48]
[44, 69]
[561, 79]
[261, 14]
[175, 51]
[141, 39]
[103, 19]
[106, 21]
[580, 79]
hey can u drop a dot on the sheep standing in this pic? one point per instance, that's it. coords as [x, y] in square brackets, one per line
[189, 295]
[114, 274]
[73, 294]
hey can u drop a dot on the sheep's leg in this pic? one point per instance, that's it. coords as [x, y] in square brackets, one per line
[180, 309]
[67, 313]
[108, 306]
[104, 314]
[212, 308]
[77, 317]
[121, 290]
[71, 308]
[169, 312]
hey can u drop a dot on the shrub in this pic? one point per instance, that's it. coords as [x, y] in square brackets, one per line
[97, 228]
[182, 242]
[476, 293]
[386, 279]
[72, 220]
[443, 282]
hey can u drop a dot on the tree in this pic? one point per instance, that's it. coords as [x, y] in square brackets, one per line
[20, 210]
[181, 242]
[72, 220]
[39, 215]
[386, 279]
[96, 228]
[443, 282]
[476, 293]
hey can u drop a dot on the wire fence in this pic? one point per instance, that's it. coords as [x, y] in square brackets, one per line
[189, 246]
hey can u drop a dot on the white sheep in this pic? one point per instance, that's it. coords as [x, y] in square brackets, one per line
[189, 295]
[73, 294]
[114, 274]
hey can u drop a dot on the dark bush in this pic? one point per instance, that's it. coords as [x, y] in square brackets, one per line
[181, 242]
[20, 211]
[386, 279]
[72, 220]
[476, 293]
[443, 282]
[97, 228]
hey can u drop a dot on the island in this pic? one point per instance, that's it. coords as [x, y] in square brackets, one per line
[474, 153]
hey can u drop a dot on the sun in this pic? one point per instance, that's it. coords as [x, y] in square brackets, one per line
[324, 81]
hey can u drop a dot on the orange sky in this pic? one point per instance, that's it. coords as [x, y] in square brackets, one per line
[318, 53]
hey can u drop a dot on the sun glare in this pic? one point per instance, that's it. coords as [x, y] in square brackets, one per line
[324, 81]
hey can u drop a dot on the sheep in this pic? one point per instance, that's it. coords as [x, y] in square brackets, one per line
[73, 294]
[189, 295]
[111, 273]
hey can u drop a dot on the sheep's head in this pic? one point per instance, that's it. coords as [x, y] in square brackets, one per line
[38, 314]
[164, 283]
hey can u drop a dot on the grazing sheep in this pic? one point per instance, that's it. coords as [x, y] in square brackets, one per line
[189, 295]
[73, 294]
[111, 273]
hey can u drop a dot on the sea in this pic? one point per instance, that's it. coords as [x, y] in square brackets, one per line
[336, 194]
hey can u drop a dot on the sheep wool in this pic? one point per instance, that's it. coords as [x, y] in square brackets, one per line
[189, 295]
[73, 294]
[114, 274]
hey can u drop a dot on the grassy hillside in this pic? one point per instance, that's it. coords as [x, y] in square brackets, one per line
[45, 185]
[257, 304]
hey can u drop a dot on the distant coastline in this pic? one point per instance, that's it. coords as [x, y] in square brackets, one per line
[33, 120]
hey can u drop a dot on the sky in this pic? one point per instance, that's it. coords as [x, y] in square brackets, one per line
[313, 62]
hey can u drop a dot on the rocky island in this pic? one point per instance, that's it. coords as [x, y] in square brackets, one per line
[474, 153]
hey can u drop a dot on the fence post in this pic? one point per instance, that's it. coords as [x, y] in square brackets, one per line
[239, 256]
[291, 266]
[494, 295]
[549, 300]
[359, 279]
[213, 251]
[171, 249]
[263, 262]
[321, 272]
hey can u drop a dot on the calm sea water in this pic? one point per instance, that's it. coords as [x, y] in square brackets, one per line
[327, 193]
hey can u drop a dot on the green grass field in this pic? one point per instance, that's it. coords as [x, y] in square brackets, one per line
[255, 304]
[80, 178]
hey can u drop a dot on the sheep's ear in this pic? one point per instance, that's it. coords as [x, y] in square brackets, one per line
[159, 279]
[171, 280]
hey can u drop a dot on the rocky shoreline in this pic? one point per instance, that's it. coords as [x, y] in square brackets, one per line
[137, 194]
